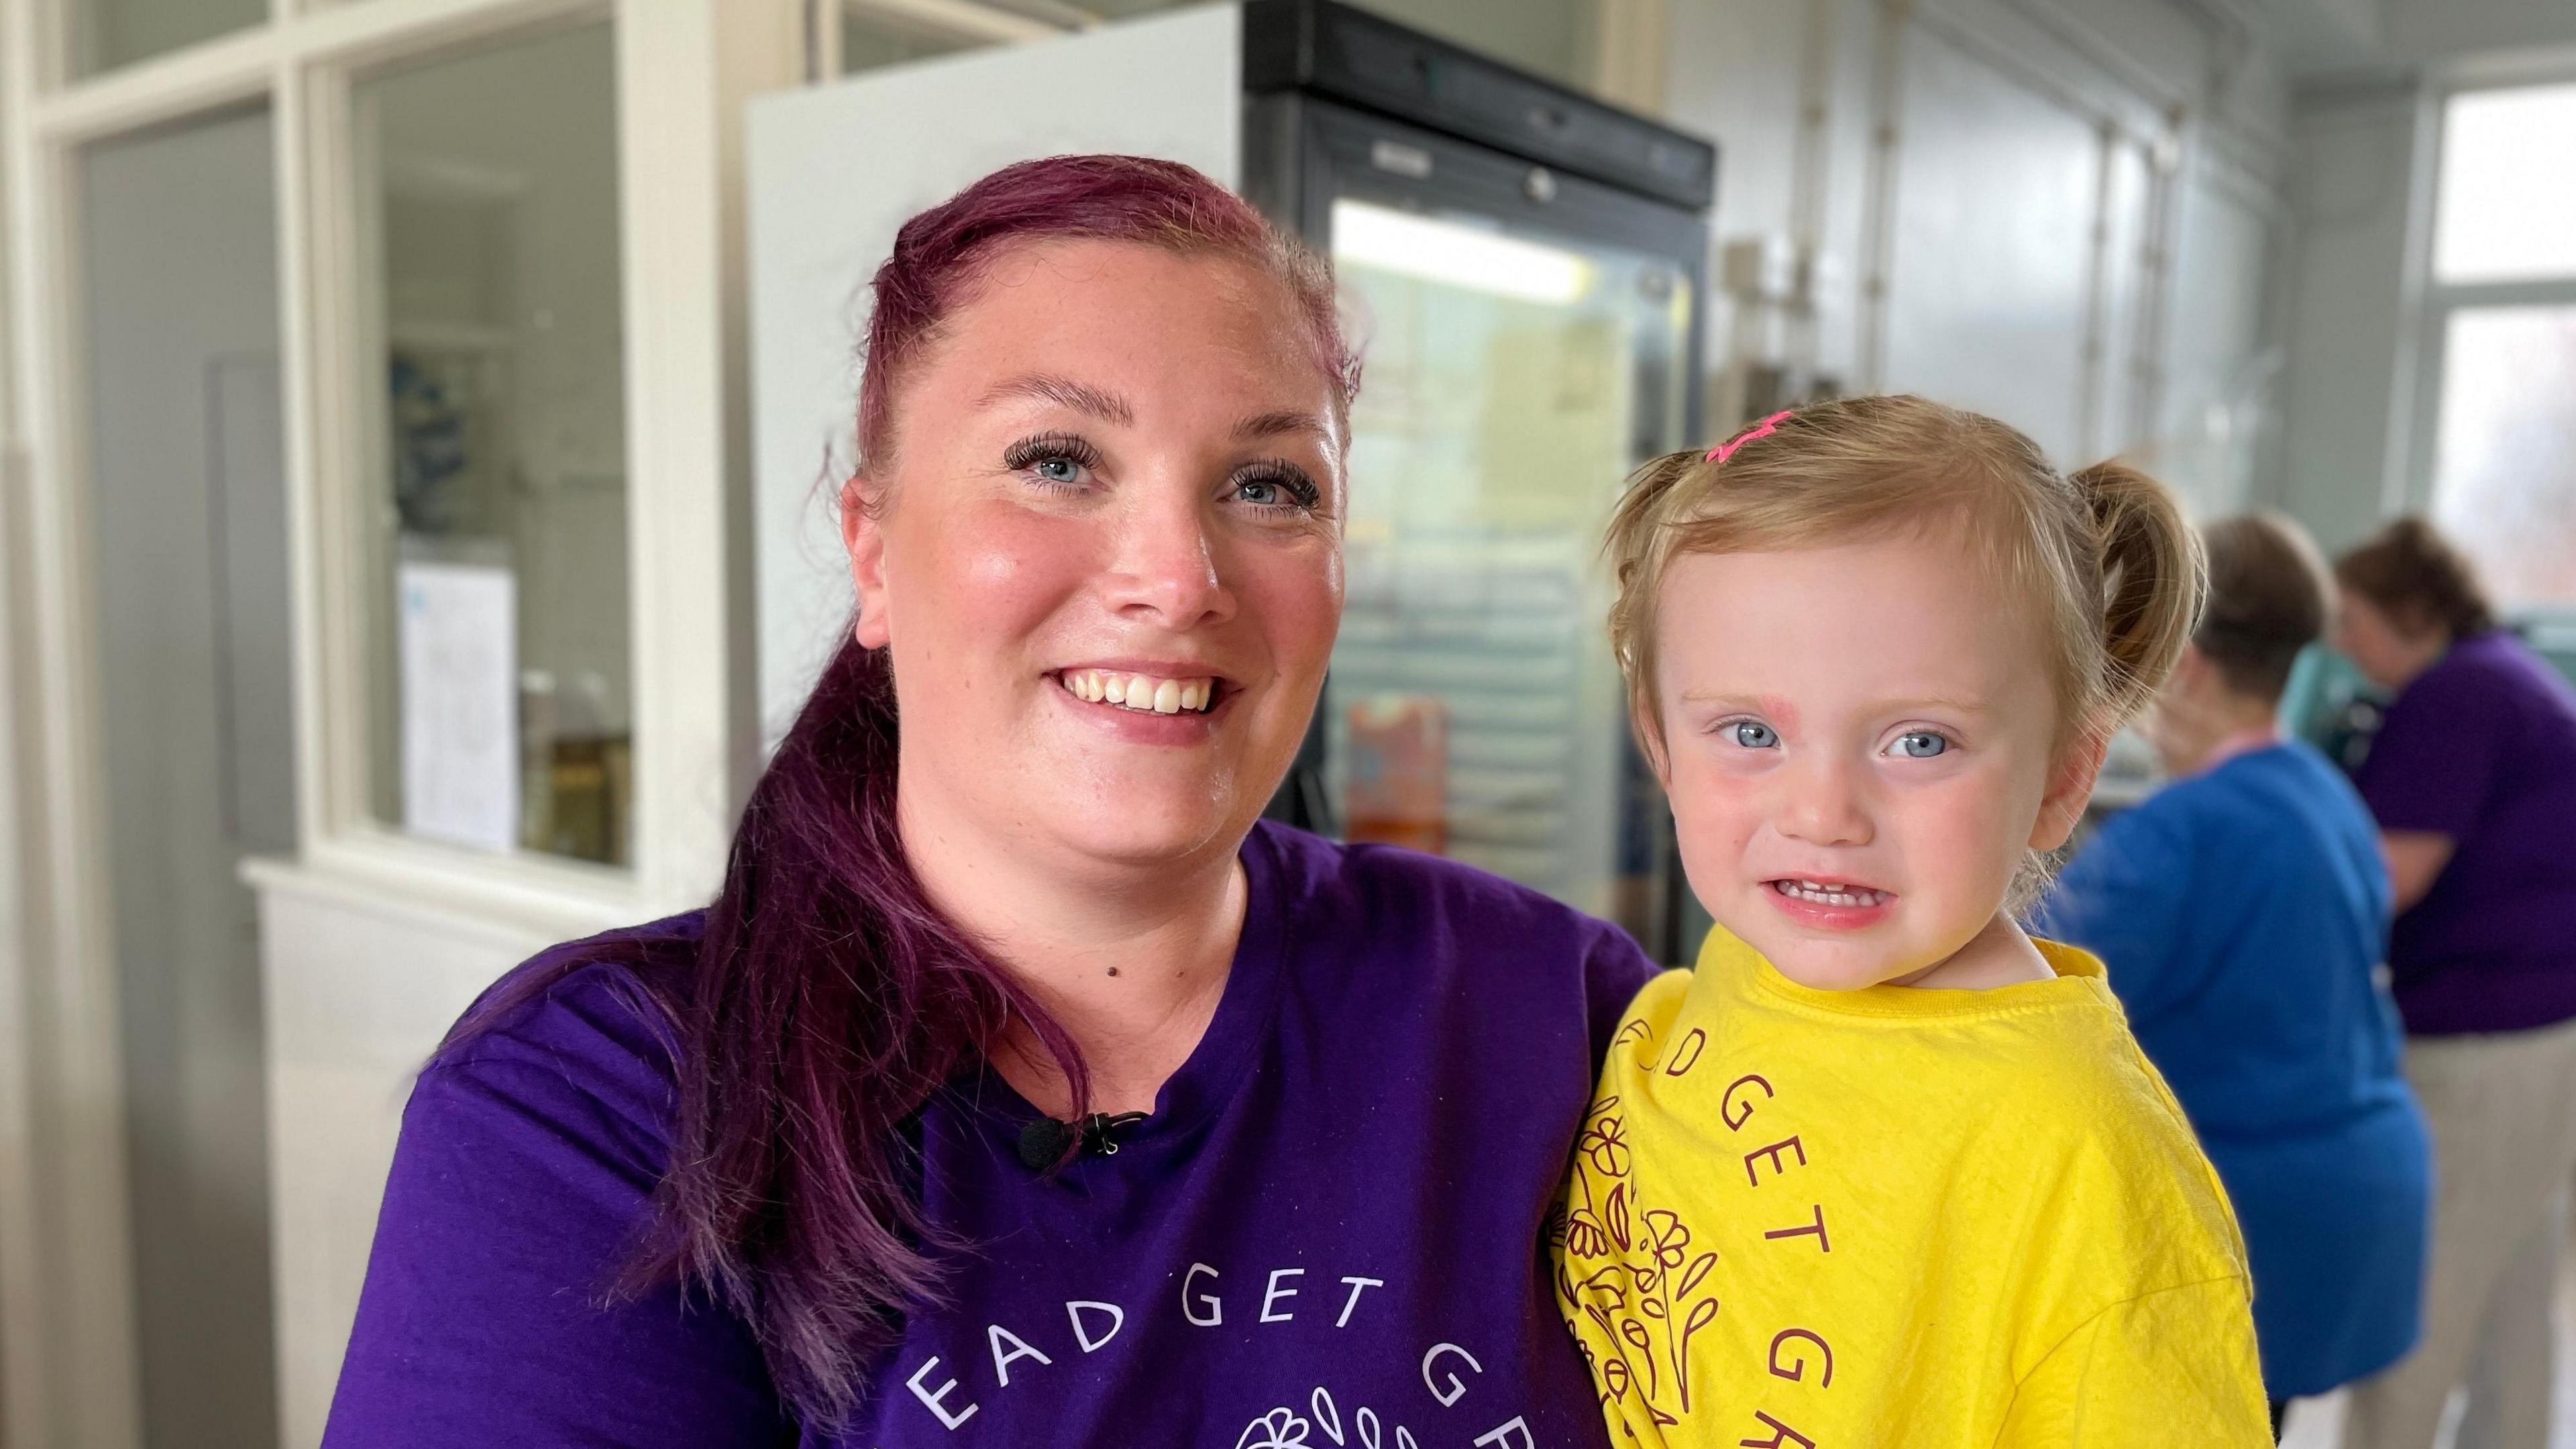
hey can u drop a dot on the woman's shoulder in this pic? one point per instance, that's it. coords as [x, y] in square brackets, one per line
[1410, 927]
[1397, 887]
[2493, 668]
[593, 1019]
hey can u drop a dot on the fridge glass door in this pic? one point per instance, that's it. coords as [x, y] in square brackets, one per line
[1513, 380]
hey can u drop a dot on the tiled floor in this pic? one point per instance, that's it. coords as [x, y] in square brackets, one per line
[2318, 1423]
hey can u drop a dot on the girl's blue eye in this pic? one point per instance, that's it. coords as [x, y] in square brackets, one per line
[1754, 735]
[1920, 745]
[1058, 470]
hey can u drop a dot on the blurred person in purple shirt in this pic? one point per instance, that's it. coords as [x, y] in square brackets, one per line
[2472, 779]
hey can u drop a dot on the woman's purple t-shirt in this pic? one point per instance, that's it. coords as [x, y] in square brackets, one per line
[1329, 1233]
[2481, 747]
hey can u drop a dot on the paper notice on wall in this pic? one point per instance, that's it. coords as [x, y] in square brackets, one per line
[460, 706]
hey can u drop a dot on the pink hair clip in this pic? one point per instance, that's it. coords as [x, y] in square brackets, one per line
[1762, 429]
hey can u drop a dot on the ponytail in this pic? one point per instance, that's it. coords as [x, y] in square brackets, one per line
[2153, 582]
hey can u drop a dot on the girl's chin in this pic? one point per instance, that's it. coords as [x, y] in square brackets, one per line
[1839, 974]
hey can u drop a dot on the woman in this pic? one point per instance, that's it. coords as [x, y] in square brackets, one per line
[2472, 778]
[2243, 913]
[1020, 1087]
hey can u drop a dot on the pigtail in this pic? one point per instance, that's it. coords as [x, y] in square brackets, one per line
[2153, 582]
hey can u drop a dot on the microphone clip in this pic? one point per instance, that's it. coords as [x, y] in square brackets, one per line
[1046, 1140]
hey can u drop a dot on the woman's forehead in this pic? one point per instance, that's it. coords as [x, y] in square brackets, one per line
[1115, 328]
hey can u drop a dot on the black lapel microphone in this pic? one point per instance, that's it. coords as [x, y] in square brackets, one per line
[1044, 1142]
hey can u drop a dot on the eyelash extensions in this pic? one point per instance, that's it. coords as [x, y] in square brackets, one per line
[1287, 476]
[1029, 452]
[1303, 493]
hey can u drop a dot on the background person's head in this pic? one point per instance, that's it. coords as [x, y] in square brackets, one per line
[2408, 595]
[1880, 648]
[2270, 596]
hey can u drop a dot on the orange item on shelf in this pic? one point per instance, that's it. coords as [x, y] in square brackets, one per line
[1398, 791]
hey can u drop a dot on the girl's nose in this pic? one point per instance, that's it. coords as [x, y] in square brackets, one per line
[1824, 805]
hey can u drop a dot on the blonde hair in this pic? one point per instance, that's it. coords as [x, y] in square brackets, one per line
[2102, 556]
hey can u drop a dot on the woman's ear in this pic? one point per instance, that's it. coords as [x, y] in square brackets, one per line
[863, 536]
[2070, 789]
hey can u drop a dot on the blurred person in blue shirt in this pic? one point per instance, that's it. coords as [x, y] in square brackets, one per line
[2243, 911]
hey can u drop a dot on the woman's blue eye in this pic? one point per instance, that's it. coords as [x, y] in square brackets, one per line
[1278, 488]
[1754, 735]
[1057, 460]
[1921, 745]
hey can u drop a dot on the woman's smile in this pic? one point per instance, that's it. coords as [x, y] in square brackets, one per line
[1148, 703]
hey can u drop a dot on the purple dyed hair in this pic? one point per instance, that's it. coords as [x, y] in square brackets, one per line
[828, 998]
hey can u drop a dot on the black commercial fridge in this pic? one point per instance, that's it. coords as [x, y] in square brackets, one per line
[1524, 269]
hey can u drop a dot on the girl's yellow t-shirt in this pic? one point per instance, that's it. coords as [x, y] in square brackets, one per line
[1807, 1219]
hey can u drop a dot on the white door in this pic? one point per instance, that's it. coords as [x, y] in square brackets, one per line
[188, 506]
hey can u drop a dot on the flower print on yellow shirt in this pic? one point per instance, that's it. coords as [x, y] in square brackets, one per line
[1803, 1219]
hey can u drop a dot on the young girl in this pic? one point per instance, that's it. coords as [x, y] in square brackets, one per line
[1885, 1170]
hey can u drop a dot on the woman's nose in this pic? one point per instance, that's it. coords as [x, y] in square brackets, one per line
[1167, 566]
[1823, 805]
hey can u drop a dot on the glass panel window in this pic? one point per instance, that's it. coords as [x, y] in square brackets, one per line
[2504, 479]
[1474, 709]
[106, 34]
[2506, 210]
[500, 662]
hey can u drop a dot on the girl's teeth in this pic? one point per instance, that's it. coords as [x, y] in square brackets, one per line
[1825, 895]
[1140, 692]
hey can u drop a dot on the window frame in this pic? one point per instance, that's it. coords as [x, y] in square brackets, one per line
[2434, 302]
[68, 1355]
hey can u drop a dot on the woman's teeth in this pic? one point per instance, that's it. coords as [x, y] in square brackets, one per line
[1829, 895]
[1142, 693]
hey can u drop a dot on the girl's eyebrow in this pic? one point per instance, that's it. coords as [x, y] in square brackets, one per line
[1772, 707]
[1785, 714]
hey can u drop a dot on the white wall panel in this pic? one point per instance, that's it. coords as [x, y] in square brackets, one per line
[1992, 246]
[2222, 389]
[360, 986]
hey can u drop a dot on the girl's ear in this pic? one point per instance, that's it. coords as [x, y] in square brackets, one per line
[2070, 789]
[863, 535]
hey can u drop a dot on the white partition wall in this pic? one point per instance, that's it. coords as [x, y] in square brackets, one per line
[834, 170]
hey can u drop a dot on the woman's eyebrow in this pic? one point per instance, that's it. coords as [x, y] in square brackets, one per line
[1274, 424]
[1107, 406]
